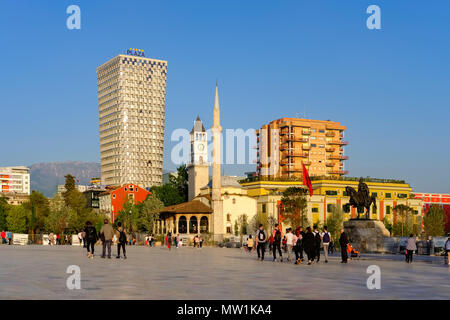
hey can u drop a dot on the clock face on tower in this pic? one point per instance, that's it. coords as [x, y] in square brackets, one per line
[201, 147]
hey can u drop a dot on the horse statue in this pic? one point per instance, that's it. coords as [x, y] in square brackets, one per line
[360, 199]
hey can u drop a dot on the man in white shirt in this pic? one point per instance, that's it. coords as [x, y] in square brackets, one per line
[289, 243]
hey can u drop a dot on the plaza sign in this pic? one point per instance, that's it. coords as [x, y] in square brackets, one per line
[135, 52]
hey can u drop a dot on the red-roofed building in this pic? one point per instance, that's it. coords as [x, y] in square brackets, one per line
[440, 199]
[112, 201]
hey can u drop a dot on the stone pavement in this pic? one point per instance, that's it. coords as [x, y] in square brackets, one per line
[39, 272]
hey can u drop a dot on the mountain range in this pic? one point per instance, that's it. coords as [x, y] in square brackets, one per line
[45, 177]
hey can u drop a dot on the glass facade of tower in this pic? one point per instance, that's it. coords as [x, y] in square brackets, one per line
[131, 105]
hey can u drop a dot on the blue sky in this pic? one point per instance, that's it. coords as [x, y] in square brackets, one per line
[390, 87]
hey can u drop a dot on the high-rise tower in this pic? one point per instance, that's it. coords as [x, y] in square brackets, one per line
[131, 105]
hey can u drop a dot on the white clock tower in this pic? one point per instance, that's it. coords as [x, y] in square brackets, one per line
[198, 168]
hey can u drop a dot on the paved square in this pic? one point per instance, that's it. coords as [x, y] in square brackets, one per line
[39, 272]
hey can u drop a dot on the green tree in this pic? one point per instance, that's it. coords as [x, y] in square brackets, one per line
[16, 219]
[236, 228]
[70, 186]
[38, 209]
[404, 225]
[256, 220]
[335, 221]
[243, 224]
[3, 209]
[295, 207]
[180, 182]
[434, 221]
[168, 194]
[149, 210]
[130, 217]
[60, 220]
[388, 225]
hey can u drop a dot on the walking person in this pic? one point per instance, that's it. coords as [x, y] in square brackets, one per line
[343, 242]
[91, 238]
[317, 243]
[301, 235]
[9, 234]
[169, 240]
[277, 236]
[51, 239]
[289, 243]
[121, 240]
[309, 245]
[261, 238]
[410, 248]
[447, 250]
[326, 239]
[298, 246]
[106, 234]
[250, 245]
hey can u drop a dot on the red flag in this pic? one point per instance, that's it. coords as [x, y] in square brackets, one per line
[306, 180]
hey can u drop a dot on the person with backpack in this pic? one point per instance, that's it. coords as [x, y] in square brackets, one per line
[261, 237]
[91, 238]
[326, 239]
[277, 236]
[410, 248]
[122, 240]
[309, 245]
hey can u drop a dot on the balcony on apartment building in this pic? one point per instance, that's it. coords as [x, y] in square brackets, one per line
[330, 134]
[292, 138]
[294, 153]
[338, 142]
[338, 157]
[329, 164]
[329, 149]
[340, 172]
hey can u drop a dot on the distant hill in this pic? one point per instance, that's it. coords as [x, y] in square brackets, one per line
[46, 176]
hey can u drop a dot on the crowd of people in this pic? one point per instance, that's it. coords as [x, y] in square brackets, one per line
[297, 244]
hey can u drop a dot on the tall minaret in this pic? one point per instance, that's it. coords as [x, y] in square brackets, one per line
[216, 192]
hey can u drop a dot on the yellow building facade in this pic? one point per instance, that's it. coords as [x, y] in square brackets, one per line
[331, 192]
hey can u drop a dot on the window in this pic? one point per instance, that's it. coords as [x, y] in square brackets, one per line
[313, 145]
[228, 229]
[264, 208]
[374, 194]
[228, 217]
[402, 195]
[322, 131]
[388, 195]
[315, 209]
[388, 209]
[331, 193]
[374, 209]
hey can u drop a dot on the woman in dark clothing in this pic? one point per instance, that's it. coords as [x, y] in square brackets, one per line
[91, 238]
[309, 244]
[343, 241]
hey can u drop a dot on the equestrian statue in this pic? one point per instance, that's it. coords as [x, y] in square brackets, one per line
[360, 199]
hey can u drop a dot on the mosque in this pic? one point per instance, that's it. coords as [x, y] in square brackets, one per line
[214, 205]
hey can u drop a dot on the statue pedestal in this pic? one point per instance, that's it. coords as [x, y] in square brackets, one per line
[366, 235]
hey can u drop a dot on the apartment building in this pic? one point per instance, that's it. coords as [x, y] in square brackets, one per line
[15, 180]
[287, 143]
